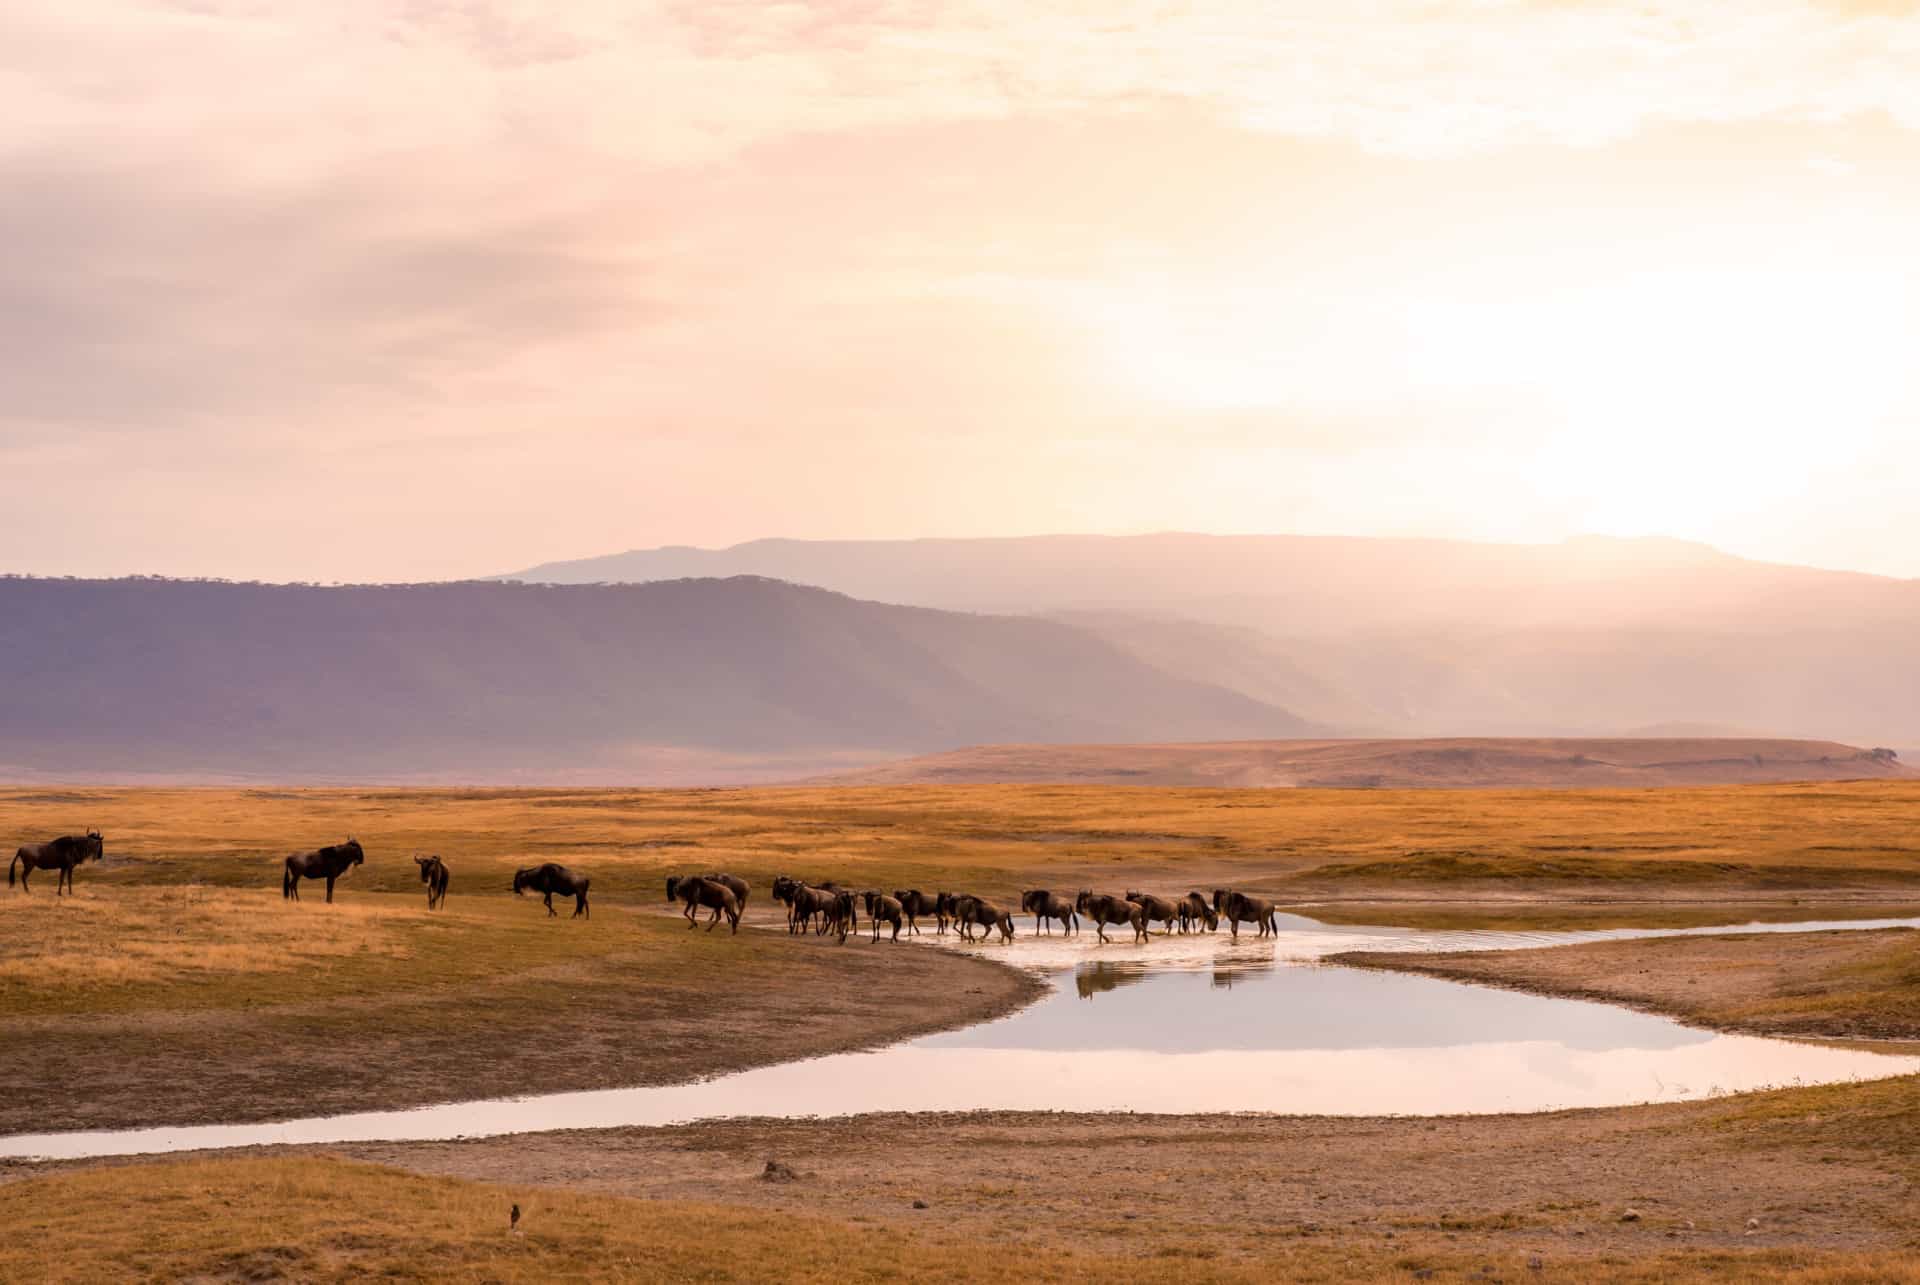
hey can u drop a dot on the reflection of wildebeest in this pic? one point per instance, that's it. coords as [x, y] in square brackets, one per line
[732, 883]
[969, 911]
[882, 909]
[1195, 910]
[1045, 906]
[1104, 910]
[433, 873]
[1158, 910]
[1236, 907]
[551, 878]
[61, 854]
[322, 863]
[708, 893]
[914, 903]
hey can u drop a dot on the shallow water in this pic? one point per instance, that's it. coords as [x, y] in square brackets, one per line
[1185, 1024]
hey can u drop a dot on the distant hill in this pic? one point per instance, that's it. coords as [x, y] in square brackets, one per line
[1420, 637]
[1450, 763]
[685, 681]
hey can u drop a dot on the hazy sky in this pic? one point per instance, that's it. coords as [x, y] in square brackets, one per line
[425, 288]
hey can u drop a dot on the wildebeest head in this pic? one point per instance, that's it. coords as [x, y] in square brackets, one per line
[426, 866]
[1080, 902]
[521, 879]
[943, 903]
[353, 845]
[93, 847]
[1220, 898]
[1032, 898]
[784, 886]
[673, 886]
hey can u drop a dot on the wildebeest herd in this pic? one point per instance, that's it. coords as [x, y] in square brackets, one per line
[823, 909]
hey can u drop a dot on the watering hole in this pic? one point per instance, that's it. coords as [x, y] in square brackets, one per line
[1200, 1023]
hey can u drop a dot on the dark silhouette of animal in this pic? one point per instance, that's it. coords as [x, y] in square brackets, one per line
[1237, 908]
[839, 915]
[513, 1218]
[733, 883]
[433, 873]
[882, 909]
[970, 912]
[1104, 910]
[550, 878]
[1158, 910]
[61, 854]
[321, 863]
[784, 888]
[702, 892]
[808, 905]
[1195, 910]
[1045, 907]
[914, 903]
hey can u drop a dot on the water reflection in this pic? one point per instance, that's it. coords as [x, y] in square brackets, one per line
[1093, 979]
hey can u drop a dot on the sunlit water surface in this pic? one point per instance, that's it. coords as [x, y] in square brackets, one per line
[1186, 1024]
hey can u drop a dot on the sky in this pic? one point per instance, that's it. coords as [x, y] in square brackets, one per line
[427, 289]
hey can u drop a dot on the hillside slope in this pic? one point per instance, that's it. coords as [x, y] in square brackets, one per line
[1452, 763]
[493, 681]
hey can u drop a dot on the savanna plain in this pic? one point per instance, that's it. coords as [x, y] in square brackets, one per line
[176, 986]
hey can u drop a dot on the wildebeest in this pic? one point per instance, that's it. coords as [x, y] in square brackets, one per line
[733, 883]
[701, 891]
[838, 914]
[1046, 906]
[61, 854]
[914, 903]
[433, 873]
[322, 863]
[806, 905]
[969, 911]
[1158, 910]
[550, 878]
[884, 909]
[1236, 907]
[1195, 910]
[1104, 910]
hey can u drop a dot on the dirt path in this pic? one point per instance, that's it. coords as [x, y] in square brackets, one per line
[610, 1021]
[1859, 984]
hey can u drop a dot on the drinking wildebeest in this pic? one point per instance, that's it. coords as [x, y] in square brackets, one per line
[1045, 906]
[708, 893]
[914, 903]
[1195, 910]
[733, 883]
[969, 911]
[1236, 907]
[61, 854]
[1158, 910]
[433, 873]
[1104, 910]
[550, 878]
[884, 909]
[322, 863]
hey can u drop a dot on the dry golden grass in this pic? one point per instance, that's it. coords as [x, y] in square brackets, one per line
[322, 1219]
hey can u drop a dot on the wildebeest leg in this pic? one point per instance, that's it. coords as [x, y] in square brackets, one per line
[551, 912]
[716, 919]
[329, 890]
[580, 907]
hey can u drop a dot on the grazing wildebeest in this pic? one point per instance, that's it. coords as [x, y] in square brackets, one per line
[884, 909]
[914, 903]
[1236, 907]
[1104, 910]
[1158, 910]
[708, 893]
[321, 863]
[433, 873]
[969, 911]
[61, 854]
[1045, 906]
[550, 878]
[1195, 910]
[734, 883]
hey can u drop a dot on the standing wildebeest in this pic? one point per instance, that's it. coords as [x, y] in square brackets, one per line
[1104, 910]
[1158, 910]
[710, 893]
[1238, 906]
[1045, 906]
[733, 883]
[969, 911]
[806, 905]
[914, 903]
[321, 863]
[433, 873]
[551, 878]
[838, 913]
[884, 909]
[1195, 910]
[62, 854]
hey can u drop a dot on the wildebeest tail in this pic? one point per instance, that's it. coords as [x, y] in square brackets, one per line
[286, 880]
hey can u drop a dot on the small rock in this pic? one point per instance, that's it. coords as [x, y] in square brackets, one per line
[1753, 1224]
[777, 1172]
[1630, 1215]
[919, 1204]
